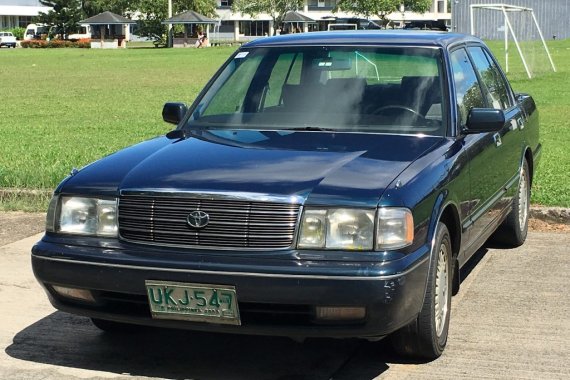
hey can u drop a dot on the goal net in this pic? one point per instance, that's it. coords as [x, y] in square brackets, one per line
[523, 38]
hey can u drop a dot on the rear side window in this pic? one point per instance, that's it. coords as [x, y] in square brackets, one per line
[495, 88]
[467, 89]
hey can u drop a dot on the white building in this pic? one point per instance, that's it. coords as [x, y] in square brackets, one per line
[240, 27]
[19, 13]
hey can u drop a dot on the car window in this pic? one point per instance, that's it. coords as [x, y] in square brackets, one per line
[380, 89]
[495, 88]
[467, 89]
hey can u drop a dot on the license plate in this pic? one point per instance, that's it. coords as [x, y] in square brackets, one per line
[193, 302]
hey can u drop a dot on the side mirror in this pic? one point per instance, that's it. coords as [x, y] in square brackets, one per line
[484, 120]
[174, 112]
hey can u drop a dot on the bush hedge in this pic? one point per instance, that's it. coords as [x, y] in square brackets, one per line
[18, 33]
[84, 43]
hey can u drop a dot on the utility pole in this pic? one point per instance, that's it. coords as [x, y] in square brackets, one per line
[169, 44]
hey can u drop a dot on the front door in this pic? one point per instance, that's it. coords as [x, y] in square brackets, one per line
[486, 153]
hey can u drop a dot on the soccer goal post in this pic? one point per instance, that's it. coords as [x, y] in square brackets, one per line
[507, 9]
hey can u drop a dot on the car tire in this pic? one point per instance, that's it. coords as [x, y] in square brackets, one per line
[114, 327]
[426, 337]
[514, 229]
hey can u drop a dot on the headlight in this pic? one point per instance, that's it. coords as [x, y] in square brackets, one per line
[356, 229]
[84, 216]
[351, 229]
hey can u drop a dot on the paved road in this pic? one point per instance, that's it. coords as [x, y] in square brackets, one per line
[511, 319]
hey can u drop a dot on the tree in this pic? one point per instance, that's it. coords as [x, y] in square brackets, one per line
[153, 12]
[64, 16]
[382, 8]
[275, 8]
[94, 7]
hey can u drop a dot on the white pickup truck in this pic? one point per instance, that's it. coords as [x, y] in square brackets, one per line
[7, 39]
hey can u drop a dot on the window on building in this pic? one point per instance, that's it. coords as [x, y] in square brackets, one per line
[226, 27]
[321, 4]
[24, 21]
[254, 28]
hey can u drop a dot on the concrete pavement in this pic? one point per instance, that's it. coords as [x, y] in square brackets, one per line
[510, 320]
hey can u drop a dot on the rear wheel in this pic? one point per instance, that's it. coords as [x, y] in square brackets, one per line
[514, 229]
[426, 337]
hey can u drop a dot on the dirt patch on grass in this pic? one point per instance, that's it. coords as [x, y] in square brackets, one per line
[542, 226]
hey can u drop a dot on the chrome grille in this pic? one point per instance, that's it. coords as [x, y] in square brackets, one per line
[233, 223]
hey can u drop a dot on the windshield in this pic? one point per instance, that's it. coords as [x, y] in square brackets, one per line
[361, 89]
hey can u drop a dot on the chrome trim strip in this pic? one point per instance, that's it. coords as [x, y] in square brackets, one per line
[212, 195]
[208, 247]
[241, 274]
[479, 213]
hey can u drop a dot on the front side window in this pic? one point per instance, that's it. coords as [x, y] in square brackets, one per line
[467, 89]
[495, 89]
[391, 90]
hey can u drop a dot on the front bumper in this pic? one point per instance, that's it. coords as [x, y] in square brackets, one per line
[275, 296]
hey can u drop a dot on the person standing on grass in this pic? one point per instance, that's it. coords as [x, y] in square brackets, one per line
[202, 40]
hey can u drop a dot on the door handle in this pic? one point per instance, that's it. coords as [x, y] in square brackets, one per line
[497, 139]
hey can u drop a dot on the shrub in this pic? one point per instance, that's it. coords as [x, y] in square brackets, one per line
[34, 44]
[18, 33]
[53, 44]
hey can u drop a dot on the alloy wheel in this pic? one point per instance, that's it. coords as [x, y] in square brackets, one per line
[523, 200]
[441, 303]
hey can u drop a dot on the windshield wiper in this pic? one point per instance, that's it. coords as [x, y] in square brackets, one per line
[310, 128]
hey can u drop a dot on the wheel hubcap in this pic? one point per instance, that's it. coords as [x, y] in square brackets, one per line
[523, 201]
[441, 290]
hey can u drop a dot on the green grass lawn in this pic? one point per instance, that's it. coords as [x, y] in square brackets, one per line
[551, 91]
[63, 108]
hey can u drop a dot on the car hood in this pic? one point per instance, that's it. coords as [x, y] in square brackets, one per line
[317, 167]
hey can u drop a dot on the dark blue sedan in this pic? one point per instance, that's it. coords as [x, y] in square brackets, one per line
[321, 185]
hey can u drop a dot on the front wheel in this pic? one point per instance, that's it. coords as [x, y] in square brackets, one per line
[426, 337]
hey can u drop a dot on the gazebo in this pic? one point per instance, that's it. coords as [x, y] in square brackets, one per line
[116, 25]
[295, 19]
[189, 18]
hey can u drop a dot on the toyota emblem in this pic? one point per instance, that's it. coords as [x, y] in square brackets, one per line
[198, 219]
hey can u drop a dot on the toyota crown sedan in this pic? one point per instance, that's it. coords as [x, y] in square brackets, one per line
[321, 185]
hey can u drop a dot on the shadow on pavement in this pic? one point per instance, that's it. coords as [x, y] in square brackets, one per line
[70, 341]
[472, 263]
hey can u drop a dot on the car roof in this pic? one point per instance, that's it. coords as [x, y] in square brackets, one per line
[366, 37]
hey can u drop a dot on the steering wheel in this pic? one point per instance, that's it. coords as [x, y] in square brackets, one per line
[399, 107]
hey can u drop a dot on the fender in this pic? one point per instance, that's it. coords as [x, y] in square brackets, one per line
[440, 205]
